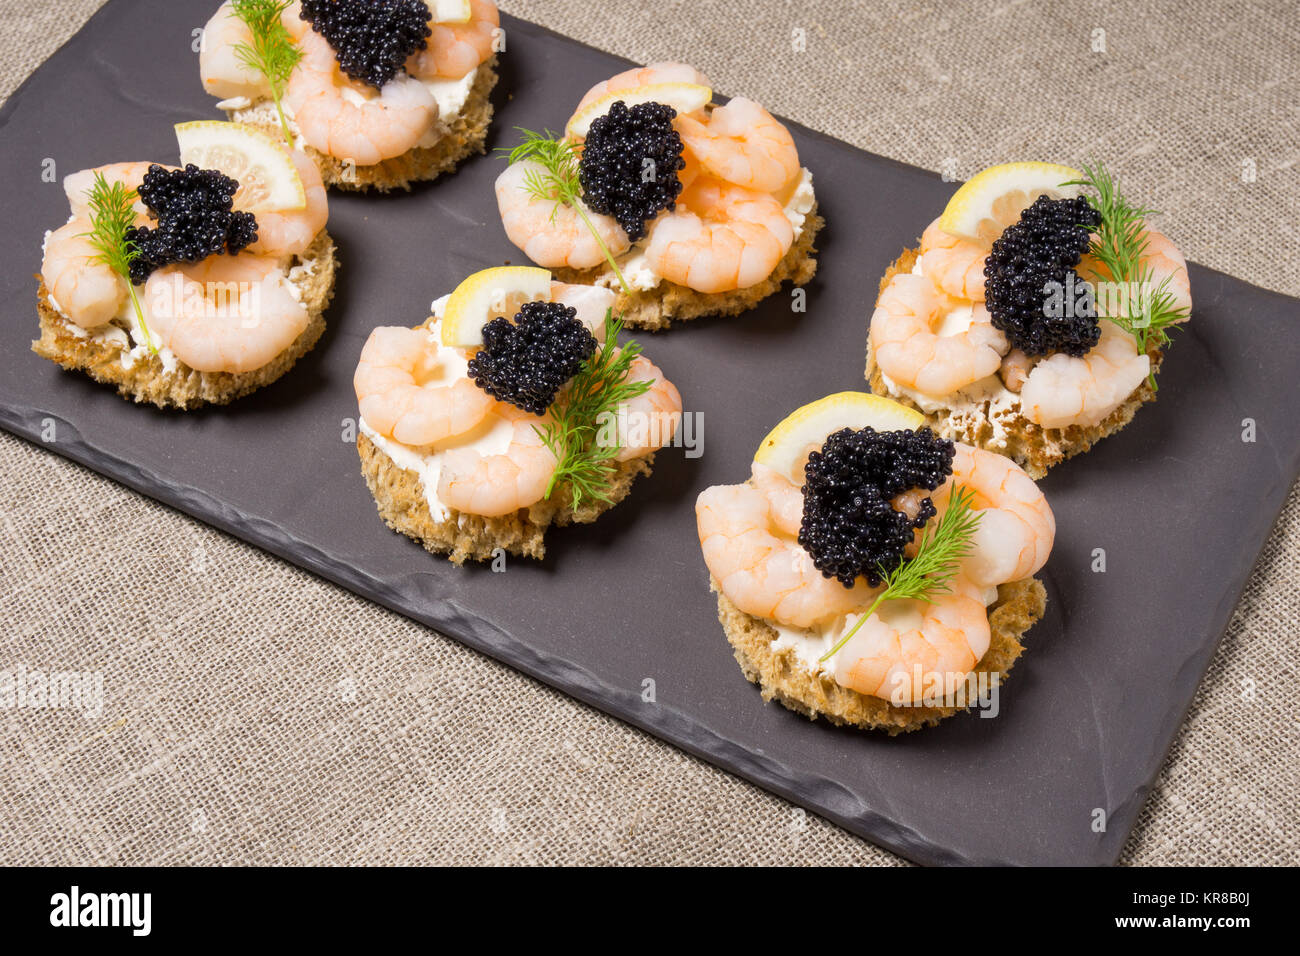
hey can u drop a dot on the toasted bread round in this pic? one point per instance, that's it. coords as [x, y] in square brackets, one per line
[1031, 446]
[784, 678]
[462, 137]
[147, 380]
[399, 494]
[668, 302]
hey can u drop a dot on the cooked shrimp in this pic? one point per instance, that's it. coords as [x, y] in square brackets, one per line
[784, 498]
[453, 49]
[720, 237]
[493, 485]
[1015, 369]
[1016, 526]
[222, 69]
[412, 389]
[345, 118]
[289, 233]
[742, 143]
[912, 353]
[648, 421]
[84, 289]
[592, 303]
[224, 314]
[1062, 390]
[750, 547]
[666, 72]
[906, 639]
[551, 234]
[293, 21]
[77, 186]
[955, 265]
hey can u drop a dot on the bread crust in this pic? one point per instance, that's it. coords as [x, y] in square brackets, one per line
[399, 495]
[147, 380]
[668, 302]
[462, 137]
[784, 678]
[1031, 446]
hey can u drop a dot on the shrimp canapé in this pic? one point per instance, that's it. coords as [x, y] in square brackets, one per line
[413, 87]
[476, 407]
[842, 495]
[1008, 326]
[208, 274]
[667, 195]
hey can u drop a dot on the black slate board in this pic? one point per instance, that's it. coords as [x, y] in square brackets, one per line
[1178, 501]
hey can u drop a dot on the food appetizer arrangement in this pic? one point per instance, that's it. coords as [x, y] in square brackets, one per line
[191, 284]
[381, 93]
[868, 570]
[1034, 315]
[877, 564]
[683, 207]
[513, 407]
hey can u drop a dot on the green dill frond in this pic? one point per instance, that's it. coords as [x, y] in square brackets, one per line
[272, 52]
[558, 179]
[112, 213]
[931, 570]
[598, 389]
[1118, 247]
[941, 548]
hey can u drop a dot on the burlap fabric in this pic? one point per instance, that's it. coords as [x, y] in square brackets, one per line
[255, 714]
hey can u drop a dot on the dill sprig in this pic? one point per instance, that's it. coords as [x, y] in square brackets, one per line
[1118, 246]
[558, 180]
[272, 52]
[601, 385]
[112, 213]
[931, 571]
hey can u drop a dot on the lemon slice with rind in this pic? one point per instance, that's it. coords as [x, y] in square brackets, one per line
[268, 180]
[994, 199]
[683, 97]
[487, 294]
[448, 11]
[804, 430]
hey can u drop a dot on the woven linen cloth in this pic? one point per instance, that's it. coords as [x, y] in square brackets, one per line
[257, 714]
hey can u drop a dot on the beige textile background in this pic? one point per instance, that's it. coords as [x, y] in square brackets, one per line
[256, 714]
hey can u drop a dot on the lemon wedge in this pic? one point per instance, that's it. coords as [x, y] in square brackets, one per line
[804, 430]
[268, 180]
[487, 294]
[683, 97]
[448, 11]
[994, 199]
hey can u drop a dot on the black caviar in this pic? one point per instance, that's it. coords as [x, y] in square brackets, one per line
[371, 39]
[849, 526]
[525, 362]
[1043, 247]
[195, 219]
[629, 164]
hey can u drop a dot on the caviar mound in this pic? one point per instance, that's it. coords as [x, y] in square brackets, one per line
[629, 164]
[195, 219]
[849, 527]
[527, 361]
[1043, 247]
[371, 39]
